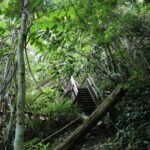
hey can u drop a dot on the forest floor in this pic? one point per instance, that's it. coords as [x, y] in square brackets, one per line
[92, 141]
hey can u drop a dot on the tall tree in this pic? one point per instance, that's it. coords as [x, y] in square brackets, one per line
[19, 133]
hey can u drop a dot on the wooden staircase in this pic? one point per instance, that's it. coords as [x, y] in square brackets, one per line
[84, 101]
[85, 95]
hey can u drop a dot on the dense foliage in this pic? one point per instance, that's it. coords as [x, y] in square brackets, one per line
[108, 39]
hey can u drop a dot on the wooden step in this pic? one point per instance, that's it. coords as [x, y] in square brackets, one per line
[84, 101]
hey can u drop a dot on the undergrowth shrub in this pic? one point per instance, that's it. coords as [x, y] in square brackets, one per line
[35, 145]
[58, 112]
[133, 118]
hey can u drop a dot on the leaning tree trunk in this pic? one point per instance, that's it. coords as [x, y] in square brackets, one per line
[92, 120]
[19, 133]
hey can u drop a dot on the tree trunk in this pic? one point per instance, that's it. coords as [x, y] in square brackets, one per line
[92, 120]
[19, 132]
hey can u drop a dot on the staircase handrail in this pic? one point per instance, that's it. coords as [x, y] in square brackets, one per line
[93, 89]
[94, 85]
[74, 87]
